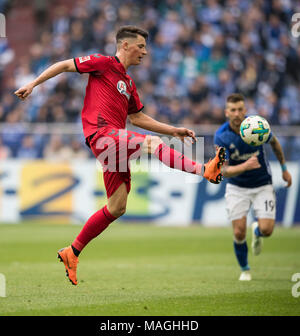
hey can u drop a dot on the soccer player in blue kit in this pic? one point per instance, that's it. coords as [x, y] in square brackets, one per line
[249, 182]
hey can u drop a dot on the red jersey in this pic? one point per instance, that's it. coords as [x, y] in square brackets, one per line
[110, 94]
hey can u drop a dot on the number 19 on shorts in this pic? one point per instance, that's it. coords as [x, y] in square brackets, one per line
[269, 205]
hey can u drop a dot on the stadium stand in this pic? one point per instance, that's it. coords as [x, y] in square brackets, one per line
[199, 52]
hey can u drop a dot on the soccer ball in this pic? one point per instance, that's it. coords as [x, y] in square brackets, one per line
[255, 130]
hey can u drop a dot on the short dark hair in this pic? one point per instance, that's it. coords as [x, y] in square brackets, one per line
[130, 31]
[235, 97]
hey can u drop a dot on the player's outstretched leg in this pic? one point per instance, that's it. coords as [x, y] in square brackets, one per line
[67, 256]
[174, 159]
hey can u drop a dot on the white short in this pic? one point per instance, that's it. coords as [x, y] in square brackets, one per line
[239, 201]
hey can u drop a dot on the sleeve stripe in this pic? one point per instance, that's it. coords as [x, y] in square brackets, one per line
[76, 65]
[137, 111]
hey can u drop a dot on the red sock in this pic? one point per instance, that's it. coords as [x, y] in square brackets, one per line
[97, 223]
[174, 159]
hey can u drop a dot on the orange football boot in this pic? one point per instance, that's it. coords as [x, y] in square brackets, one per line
[212, 169]
[67, 256]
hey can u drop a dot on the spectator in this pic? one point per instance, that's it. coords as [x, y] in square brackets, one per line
[199, 52]
[5, 151]
[28, 150]
[56, 150]
[198, 90]
[61, 21]
[170, 28]
[78, 151]
[14, 131]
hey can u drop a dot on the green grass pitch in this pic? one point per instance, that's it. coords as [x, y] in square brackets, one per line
[145, 270]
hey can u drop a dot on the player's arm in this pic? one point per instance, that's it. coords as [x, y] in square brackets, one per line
[52, 71]
[231, 171]
[142, 120]
[277, 149]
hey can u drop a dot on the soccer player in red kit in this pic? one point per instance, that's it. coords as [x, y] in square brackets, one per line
[111, 96]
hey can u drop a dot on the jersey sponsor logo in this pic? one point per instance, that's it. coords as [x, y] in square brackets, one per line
[121, 86]
[240, 157]
[84, 59]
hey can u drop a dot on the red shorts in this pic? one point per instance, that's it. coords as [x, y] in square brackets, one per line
[114, 148]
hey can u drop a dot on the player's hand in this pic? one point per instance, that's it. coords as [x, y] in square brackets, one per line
[184, 133]
[24, 91]
[252, 163]
[287, 177]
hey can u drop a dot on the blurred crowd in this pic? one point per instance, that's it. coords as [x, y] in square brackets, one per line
[198, 53]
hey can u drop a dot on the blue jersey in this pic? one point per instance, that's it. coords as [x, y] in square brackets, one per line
[237, 151]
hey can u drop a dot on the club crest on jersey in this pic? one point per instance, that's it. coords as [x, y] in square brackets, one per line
[121, 86]
[84, 58]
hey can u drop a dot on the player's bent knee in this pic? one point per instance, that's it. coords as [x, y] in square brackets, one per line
[266, 232]
[266, 227]
[121, 211]
[118, 212]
